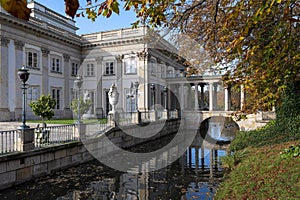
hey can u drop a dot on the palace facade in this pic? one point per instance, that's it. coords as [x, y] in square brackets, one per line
[135, 60]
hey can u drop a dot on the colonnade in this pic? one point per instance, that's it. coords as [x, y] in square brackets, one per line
[180, 96]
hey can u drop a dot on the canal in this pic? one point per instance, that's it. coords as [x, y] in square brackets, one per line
[194, 175]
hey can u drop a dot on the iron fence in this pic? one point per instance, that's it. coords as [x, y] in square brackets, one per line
[55, 135]
[8, 141]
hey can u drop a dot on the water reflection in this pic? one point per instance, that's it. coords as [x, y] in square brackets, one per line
[190, 177]
[195, 175]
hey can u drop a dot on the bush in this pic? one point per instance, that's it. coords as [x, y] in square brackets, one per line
[43, 107]
[286, 127]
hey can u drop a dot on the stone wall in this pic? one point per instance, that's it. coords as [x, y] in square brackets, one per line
[20, 167]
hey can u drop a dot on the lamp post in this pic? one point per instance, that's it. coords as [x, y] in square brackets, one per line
[152, 87]
[77, 84]
[165, 90]
[23, 75]
[136, 85]
[130, 96]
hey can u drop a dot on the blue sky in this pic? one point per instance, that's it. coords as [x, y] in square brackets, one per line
[124, 20]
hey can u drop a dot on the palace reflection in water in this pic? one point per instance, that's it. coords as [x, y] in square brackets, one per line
[195, 175]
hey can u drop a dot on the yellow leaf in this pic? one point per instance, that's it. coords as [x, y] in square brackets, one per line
[16, 8]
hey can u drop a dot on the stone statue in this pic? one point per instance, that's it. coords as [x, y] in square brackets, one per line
[113, 97]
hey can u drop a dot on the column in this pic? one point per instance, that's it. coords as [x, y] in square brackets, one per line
[181, 96]
[211, 162]
[67, 111]
[169, 97]
[202, 158]
[215, 96]
[118, 71]
[197, 158]
[196, 97]
[19, 45]
[211, 97]
[190, 157]
[226, 99]
[202, 96]
[5, 114]
[98, 95]
[242, 97]
[45, 71]
[143, 80]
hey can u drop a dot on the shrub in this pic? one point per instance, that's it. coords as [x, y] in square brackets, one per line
[43, 107]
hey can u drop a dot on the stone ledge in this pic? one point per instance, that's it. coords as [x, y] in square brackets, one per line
[37, 151]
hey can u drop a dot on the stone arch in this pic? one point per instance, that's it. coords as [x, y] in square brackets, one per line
[218, 129]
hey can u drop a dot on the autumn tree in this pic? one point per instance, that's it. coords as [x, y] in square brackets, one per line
[255, 43]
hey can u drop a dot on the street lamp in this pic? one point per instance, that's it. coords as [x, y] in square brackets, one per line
[130, 96]
[77, 84]
[152, 87]
[23, 75]
[165, 90]
[136, 85]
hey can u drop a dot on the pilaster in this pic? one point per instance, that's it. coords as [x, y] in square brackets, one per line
[143, 98]
[98, 98]
[66, 101]
[4, 109]
[19, 46]
[118, 72]
[45, 71]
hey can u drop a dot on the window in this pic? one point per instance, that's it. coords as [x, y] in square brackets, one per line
[163, 72]
[33, 93]
[130, 65]
[170, 72]
[130, 99]
[56, 64]
[90, 70]
[74, 69]
[32, 58]
[56, 94]
[90, 94]
[153, 67]
[109, 68]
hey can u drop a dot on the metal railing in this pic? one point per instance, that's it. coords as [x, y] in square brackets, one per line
[8, 141]
[55, 135]
[145, 116]
[125, 118]
[173, 114]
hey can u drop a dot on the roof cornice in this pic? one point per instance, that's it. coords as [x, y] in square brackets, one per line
[40, 27]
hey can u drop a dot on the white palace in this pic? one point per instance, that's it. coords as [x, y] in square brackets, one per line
[144, 67]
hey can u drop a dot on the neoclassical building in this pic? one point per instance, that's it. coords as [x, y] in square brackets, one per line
[49, 47]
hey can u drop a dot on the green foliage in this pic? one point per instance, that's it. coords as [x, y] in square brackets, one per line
[231, 161]
[286, 127]
[292, 151]
[288, 113]
[84, 105]
[43, 107]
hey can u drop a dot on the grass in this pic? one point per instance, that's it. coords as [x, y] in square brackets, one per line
[67, 121]
[263, 174]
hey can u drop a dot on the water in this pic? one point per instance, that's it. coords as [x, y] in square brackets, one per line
[195, 175]
[183, 179]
